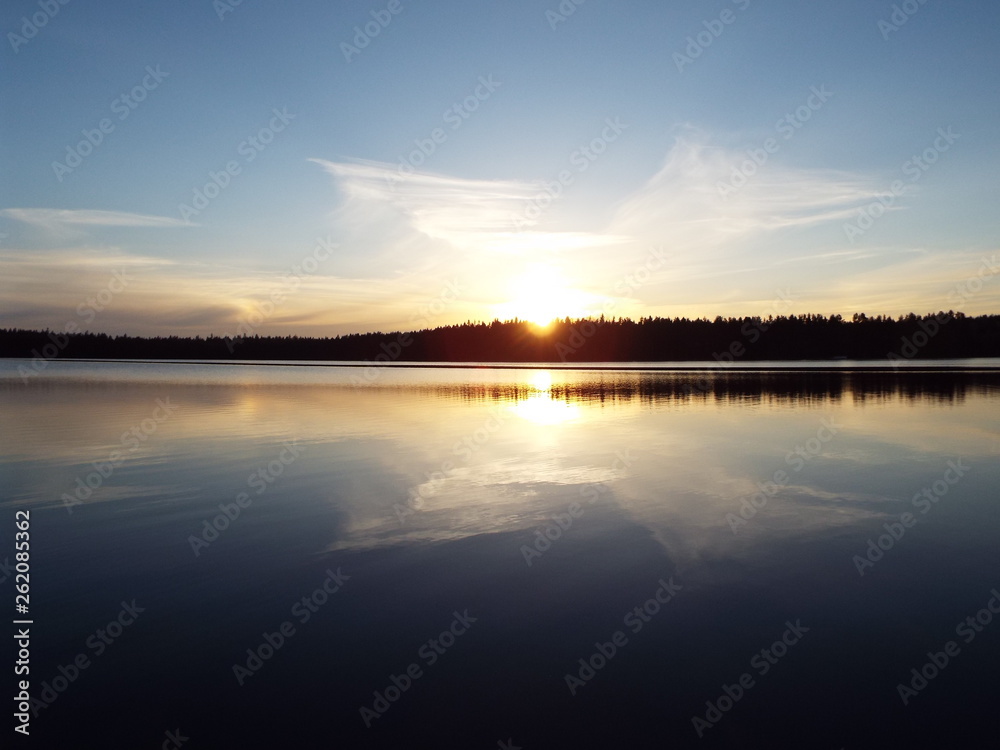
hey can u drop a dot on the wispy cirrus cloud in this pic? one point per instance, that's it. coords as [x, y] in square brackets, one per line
[471, 214]
[60, 219]
[440, 206]
[691, 200]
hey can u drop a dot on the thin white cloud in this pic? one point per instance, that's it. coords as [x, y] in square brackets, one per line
[440, 206]
[56, 219]
[473, 215]
[693, 203]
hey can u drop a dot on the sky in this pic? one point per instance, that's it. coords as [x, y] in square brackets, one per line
[321, 168]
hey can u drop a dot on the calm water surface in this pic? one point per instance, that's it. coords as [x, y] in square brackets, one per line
[424, 557]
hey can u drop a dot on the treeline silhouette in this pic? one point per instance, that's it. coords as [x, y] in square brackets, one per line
[747, 339]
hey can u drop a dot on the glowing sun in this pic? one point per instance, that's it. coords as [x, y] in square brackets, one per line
[541, 295]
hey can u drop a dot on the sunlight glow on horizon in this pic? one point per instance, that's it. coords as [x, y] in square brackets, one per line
[542, 295]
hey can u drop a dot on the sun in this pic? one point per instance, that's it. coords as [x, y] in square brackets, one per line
[541, 295]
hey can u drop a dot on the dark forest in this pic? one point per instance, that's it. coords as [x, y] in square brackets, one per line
[730, 340]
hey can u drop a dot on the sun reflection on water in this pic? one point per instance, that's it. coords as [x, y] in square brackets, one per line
[540, 407]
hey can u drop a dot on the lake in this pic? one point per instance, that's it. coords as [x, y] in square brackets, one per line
[317, 557]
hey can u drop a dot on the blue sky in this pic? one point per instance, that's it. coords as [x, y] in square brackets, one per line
[566, 154]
